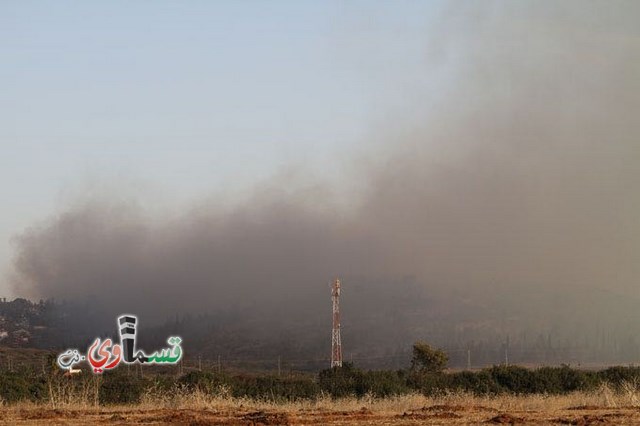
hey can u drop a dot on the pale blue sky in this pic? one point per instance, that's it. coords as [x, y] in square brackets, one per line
[191, 96]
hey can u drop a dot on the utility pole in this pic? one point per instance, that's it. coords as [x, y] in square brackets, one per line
[336, 343]
[506, 352]
[468, 358]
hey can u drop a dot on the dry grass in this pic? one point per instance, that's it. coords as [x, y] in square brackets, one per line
[604, 397]
[65, 394]
[602, 406]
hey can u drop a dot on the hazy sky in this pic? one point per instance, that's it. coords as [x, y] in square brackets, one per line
[468, 144]
[184, 98]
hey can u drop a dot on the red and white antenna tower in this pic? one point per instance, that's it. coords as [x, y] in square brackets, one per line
[336, 343]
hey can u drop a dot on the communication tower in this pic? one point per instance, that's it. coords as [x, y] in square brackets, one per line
[336, 343]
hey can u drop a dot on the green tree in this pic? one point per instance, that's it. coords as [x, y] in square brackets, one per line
[428, 359]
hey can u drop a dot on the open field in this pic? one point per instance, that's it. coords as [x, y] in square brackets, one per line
[603, 406]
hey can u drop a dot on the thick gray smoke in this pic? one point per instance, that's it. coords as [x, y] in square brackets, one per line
[521, 175]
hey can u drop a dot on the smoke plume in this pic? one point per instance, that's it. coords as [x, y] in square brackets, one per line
[518, 173]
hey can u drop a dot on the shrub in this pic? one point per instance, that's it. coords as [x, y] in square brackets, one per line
[617, 376]
[121, 389]
[21, 385]
[428, 359]
[384, 383]
[275, 388]
[204, 381]
[514, 378]
[342, 381]
[479, 383]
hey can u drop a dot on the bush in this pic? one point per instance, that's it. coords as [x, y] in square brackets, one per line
[275, 388]
[384, 383]
[428, 383]
[514, 379]
[253, 386]
[115, 387]
[121, 389]
[556, 380]
[21, 385]
[204, 381]
[480, 383]
[342, 381]
[617, 376]
[428, 359]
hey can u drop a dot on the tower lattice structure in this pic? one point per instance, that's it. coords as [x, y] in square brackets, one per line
[336, 342]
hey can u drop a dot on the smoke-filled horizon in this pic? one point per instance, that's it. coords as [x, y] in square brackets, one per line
[519, 170]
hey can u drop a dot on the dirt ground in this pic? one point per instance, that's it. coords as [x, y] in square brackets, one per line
[433, 414]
